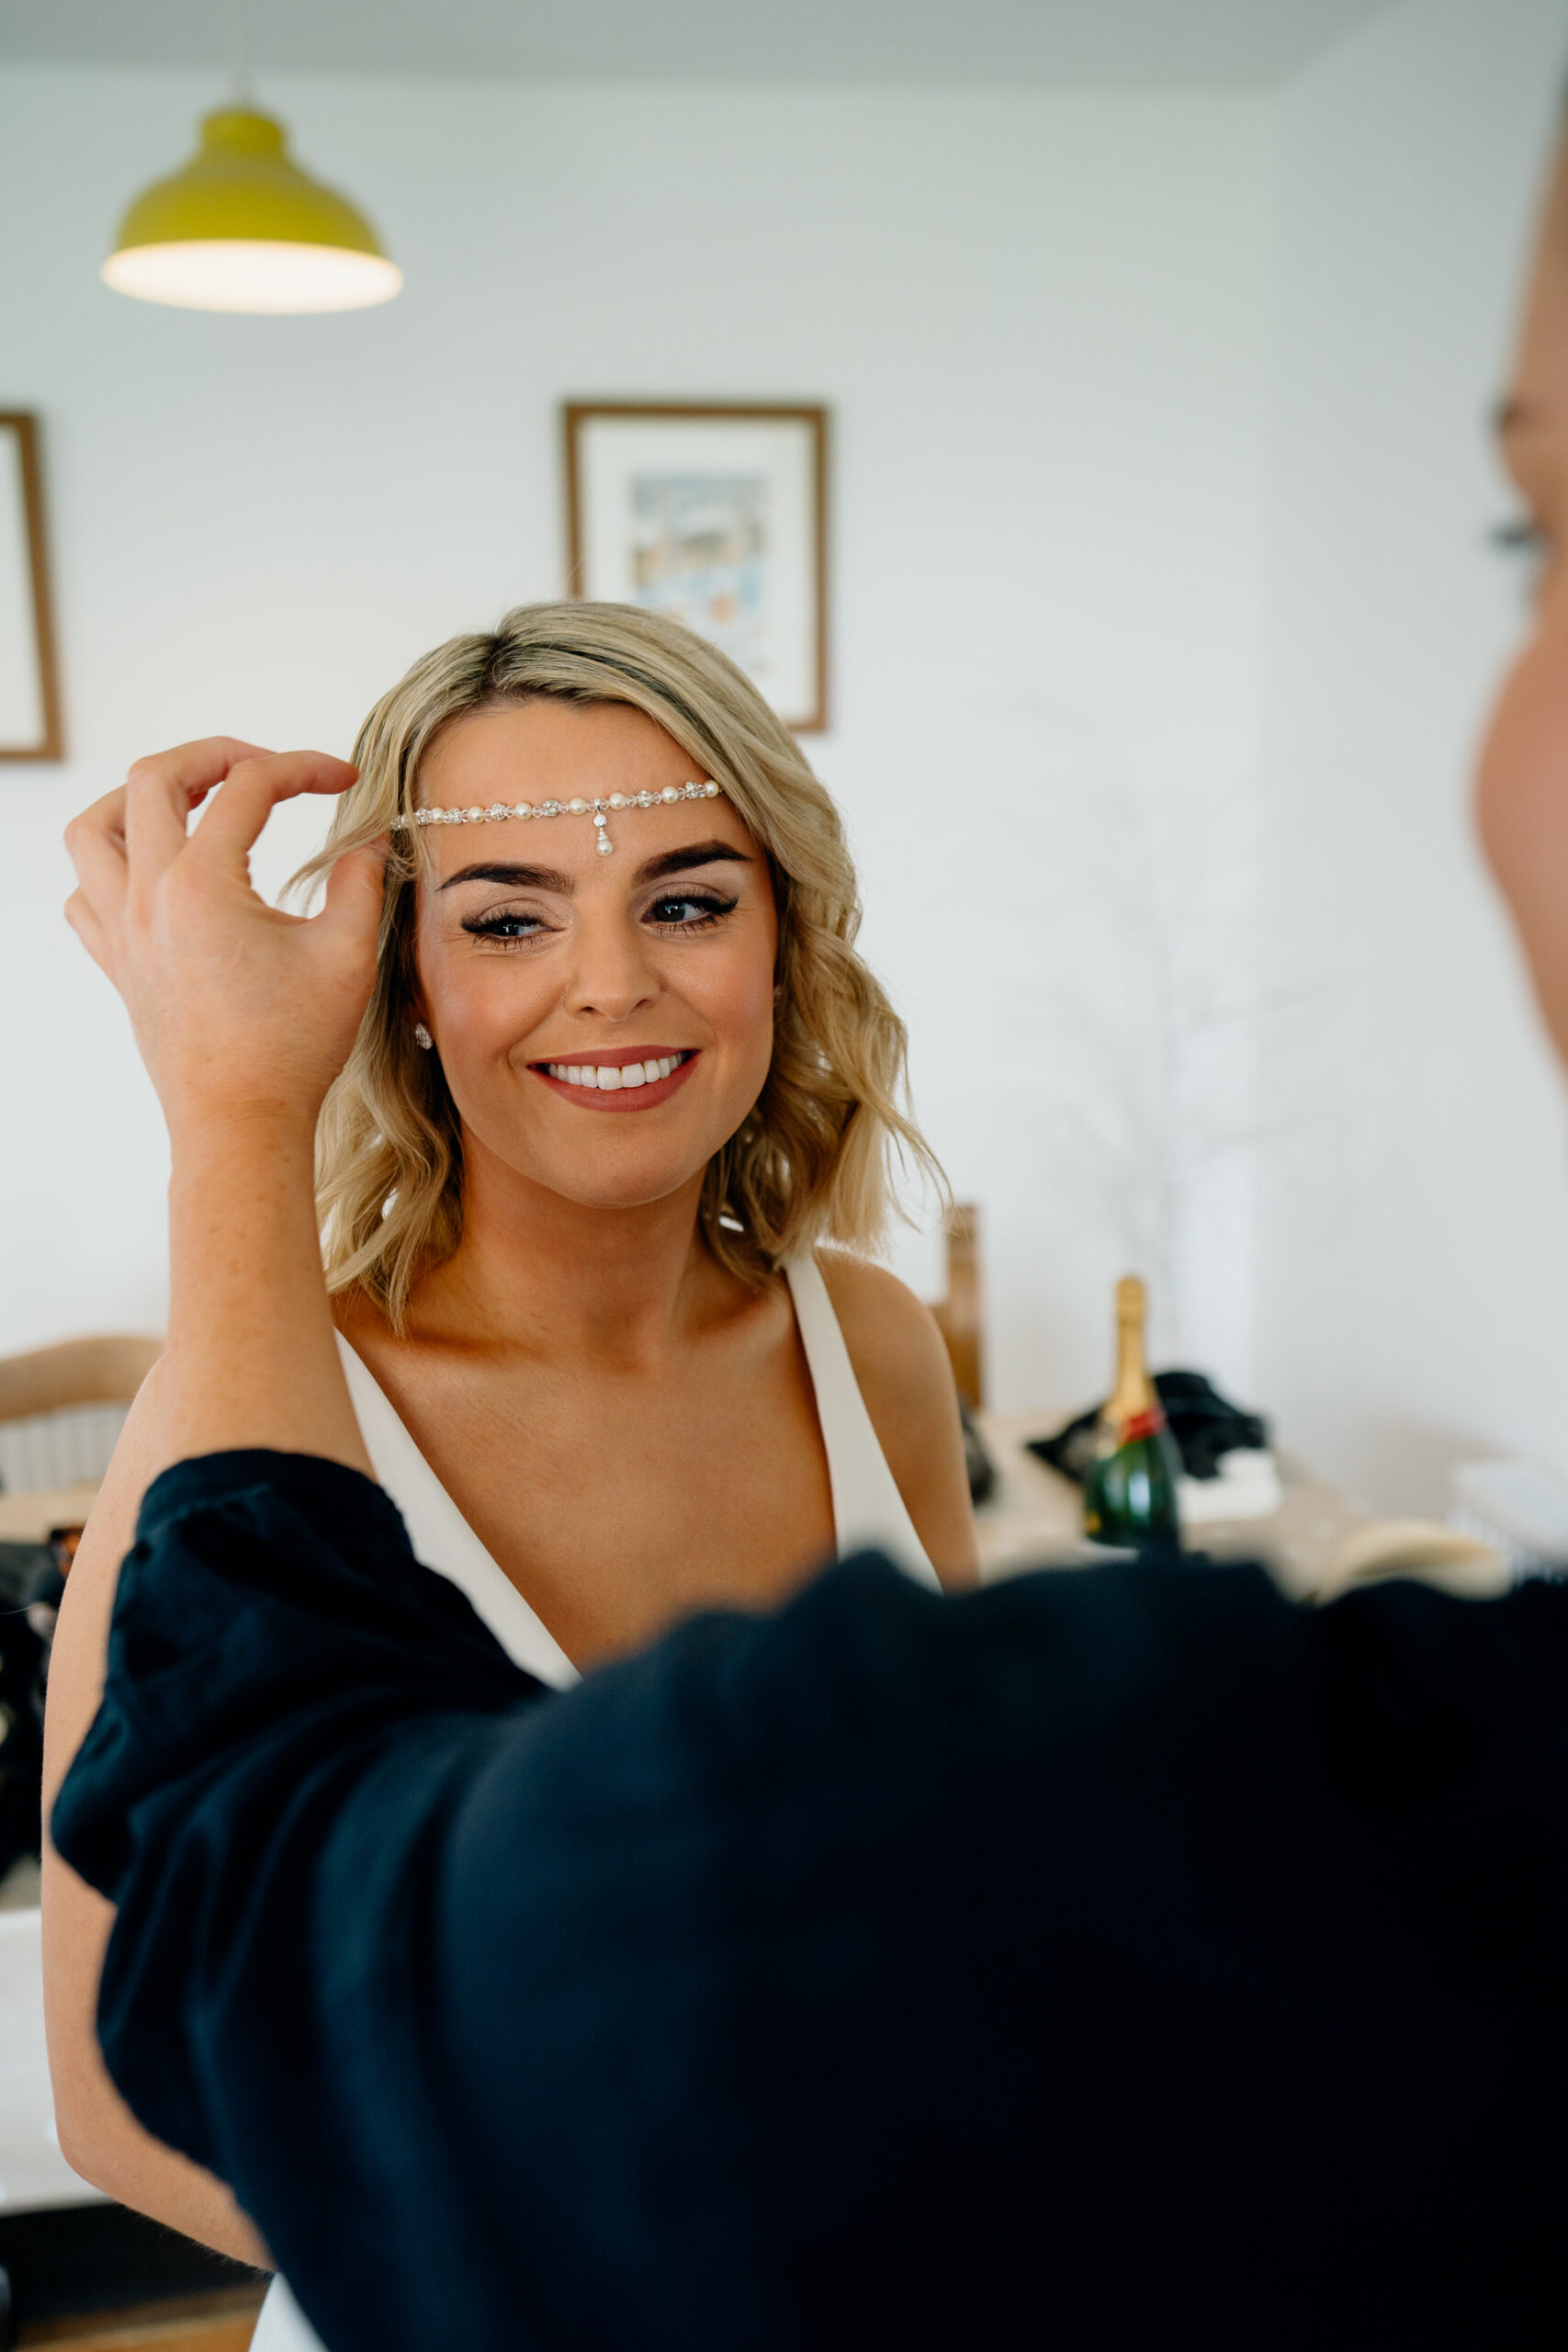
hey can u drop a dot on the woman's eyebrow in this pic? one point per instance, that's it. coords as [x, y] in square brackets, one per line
[548, 878]
[676, 860]
[512, 877]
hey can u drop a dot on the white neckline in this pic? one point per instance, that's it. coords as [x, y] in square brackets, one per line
[442, 1537]
[869, 1512]
[868, 1509]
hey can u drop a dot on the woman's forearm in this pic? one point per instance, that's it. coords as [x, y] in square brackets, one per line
[251, 1361]
[252, 1357]
[243, 1016]
[99, 2135]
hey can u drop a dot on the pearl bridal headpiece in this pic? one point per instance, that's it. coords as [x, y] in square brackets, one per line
[598, 810]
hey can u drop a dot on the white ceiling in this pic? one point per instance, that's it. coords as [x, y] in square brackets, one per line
[1166, 44]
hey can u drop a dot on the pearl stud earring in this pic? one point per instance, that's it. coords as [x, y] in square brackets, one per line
[422, 1037]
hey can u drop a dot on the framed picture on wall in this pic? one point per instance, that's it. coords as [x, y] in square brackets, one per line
[717, 514]
[29, 696]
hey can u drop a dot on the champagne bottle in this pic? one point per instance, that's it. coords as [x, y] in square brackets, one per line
[1130, 1492]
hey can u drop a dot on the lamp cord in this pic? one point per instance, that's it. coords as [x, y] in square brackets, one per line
[244, 91]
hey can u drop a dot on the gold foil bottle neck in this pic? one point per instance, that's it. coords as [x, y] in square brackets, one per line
[1133, 1392]
[1131, 1299]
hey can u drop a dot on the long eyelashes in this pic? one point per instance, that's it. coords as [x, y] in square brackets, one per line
[704, 912]
[1520, 534]
[708, 910]
[1531, 546]
[507, 929]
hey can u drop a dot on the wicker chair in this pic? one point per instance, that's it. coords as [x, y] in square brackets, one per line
[62, 1408]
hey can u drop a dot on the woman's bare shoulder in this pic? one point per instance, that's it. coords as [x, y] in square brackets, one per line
[891, 1338]
[901, 1366]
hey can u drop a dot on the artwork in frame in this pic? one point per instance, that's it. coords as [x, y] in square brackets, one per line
[29, 697]
[715, 513]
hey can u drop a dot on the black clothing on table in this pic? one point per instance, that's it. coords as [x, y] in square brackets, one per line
[1104, 1955]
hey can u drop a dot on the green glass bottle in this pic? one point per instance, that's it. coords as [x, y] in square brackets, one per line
[1130, 1492]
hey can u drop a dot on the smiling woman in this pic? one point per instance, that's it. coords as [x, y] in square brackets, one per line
[573, 708]
[620, 1076]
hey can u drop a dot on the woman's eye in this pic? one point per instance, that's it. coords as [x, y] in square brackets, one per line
[1521, 534]
[688, 910]
[1529, 541]
[503, 926]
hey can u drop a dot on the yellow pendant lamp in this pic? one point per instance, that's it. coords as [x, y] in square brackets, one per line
[241, 227]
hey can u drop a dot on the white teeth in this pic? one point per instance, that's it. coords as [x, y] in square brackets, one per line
[606, 1079]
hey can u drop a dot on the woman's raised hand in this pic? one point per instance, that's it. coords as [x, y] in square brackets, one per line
[237, 1007]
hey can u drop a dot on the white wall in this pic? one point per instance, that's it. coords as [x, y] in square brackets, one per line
[1040, 320]
[1413, 1244]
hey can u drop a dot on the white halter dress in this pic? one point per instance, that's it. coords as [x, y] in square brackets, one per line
[868, 1510]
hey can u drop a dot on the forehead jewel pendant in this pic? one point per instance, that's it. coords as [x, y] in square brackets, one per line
[598, 809]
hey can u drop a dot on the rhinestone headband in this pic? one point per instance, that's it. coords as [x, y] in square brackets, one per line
[598, 810]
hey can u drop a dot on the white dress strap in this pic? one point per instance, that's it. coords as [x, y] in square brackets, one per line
[440, 1535]
[868, 1509]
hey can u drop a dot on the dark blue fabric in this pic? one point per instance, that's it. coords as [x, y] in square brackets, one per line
[1105, 1954]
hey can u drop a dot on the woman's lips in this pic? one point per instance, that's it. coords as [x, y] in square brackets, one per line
[655, 1073]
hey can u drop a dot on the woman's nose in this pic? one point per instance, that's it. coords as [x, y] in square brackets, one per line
[612, 977]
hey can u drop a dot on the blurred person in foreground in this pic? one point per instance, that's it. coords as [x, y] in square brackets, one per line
[1091, 1955]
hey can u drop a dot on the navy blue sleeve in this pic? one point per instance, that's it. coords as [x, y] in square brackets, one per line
[289, 1697]
[1097, 1948]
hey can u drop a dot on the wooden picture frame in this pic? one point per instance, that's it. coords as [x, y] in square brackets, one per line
[717, 513]
[30, 726]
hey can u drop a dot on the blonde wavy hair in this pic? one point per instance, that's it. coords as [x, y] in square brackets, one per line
[812, 1162]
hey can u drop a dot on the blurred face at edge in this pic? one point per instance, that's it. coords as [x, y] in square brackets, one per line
[1521, 791]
